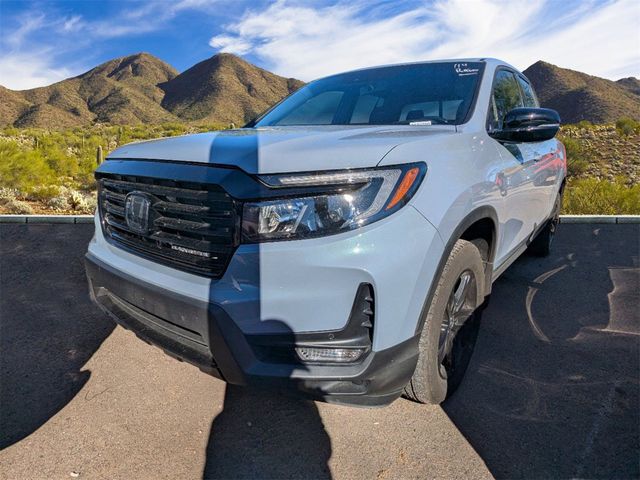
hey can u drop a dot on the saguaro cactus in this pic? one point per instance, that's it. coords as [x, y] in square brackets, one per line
[99, 155]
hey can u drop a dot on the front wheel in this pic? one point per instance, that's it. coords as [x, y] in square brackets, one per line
[450, 327]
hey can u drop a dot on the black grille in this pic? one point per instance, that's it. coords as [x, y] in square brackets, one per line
[192, 226]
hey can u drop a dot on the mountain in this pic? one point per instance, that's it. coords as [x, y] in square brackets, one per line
[630, 83]
[124, 90]
[225, 88]
[141, 88]
[578, 96]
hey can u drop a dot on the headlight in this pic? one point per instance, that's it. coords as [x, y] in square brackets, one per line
[352, 199]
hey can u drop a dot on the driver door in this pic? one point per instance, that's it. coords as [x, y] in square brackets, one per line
[522, 210]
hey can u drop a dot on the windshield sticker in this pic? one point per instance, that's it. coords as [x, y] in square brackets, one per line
[423, 122]
[463, 69]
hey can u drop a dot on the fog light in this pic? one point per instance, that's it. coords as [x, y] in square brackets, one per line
[336, 355]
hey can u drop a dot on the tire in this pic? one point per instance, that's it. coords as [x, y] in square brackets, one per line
[437, 375]
[541, 245]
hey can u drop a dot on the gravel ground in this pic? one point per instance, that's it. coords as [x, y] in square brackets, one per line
[552, 390]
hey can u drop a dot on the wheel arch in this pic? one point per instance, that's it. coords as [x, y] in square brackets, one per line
[479, 223]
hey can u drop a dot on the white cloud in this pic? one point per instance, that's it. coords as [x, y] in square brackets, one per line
[227, 43]
[27, 61]
[23, 65]
[308, 42]
[72, 24]
[24, 71]
[27, 25]
[150, 17]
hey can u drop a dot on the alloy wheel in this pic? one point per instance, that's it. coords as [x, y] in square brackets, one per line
[453, 341]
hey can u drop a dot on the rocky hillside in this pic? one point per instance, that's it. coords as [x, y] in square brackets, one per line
[143, 89]
[600, 151]
[123, 91]
[225, 88]
[578, 96]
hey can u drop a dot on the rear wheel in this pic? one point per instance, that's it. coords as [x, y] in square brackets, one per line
[541, 245]
[450, 327]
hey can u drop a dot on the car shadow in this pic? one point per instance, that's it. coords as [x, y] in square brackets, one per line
[553, 388]
[48, 327]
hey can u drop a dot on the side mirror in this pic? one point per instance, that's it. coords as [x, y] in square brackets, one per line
[528, 125]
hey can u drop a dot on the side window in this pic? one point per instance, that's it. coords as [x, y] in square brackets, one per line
[505, 97]
[528, 95]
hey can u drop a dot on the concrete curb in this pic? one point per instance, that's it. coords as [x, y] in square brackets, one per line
[47, 219]
[599, 218]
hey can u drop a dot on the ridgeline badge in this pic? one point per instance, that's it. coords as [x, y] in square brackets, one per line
[463, 69]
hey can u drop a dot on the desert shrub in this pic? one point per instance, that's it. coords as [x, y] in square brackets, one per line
[62, 163]
[590, 196]
[43, 192]
[586, 124]
[7, 194]
[577, 157]
[173, 129]
[76, 200]
[81, 203]
[10, 131]
[59, 203]
[17, 207]
[23, 169]
[627, 126]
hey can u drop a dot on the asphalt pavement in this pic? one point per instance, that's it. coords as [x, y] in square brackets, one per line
[553, 390]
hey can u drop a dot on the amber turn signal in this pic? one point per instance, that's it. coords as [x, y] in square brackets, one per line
[404, 187]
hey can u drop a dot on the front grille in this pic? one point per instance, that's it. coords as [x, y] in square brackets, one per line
[192, 226]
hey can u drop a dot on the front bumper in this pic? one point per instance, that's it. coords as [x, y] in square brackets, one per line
[284, 290]
[157, 316]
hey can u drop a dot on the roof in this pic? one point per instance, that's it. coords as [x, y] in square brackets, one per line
[489, 61]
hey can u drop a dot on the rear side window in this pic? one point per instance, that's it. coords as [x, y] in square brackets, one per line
[528, 95]
[505, 96]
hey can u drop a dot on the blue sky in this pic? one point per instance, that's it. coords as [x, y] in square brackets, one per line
[45, 41]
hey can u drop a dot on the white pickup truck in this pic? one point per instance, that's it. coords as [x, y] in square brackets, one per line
[345, 242]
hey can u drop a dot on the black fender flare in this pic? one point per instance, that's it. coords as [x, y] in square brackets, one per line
[480, 213]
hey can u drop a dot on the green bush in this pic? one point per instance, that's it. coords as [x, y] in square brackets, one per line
[627, 126]
[584, 124]
[44, 192]
[577, 157]
[23, 170]
[589, 196]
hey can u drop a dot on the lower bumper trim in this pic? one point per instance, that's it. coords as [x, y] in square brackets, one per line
[203, 334]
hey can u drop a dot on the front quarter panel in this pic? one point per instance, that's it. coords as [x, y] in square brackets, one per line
[462, 176]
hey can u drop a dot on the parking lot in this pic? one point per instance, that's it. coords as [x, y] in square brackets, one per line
[553, 389]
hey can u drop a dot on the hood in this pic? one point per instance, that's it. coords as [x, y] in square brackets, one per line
[284, 149]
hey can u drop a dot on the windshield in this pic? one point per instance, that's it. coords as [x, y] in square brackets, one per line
[421, 94]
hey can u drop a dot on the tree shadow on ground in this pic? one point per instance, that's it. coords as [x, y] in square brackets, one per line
[553, 388]
[48, 326]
